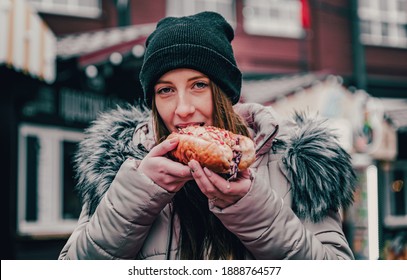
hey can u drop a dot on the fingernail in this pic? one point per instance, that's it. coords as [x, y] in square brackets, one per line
[192, 165]
[207, 172]
[173, 140]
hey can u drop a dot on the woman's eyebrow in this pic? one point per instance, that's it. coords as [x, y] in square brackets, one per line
[189, 79]
[163, 82]
[198, 77]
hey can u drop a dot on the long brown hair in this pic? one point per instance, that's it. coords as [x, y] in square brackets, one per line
[202, 234]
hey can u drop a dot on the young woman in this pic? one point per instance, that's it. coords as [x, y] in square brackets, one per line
[140, 204]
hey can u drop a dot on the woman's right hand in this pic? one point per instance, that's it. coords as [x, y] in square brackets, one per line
[168, 174]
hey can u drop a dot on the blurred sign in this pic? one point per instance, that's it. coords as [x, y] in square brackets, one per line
[68, 106]
[26, 43]
[82, 106]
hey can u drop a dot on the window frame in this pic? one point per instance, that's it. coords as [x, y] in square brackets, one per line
[50, 221]
[269, 26]
[373, 17]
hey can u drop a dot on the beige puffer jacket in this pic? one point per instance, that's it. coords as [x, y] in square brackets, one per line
[290, 212]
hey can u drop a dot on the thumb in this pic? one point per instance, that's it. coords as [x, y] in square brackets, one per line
[164, 147]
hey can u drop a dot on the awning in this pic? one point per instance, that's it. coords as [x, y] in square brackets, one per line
[96, 47]
[26, 42]
[268, 90]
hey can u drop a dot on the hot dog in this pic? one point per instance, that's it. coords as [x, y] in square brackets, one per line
[217, 149]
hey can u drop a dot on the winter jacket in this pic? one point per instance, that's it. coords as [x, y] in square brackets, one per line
[302, 179]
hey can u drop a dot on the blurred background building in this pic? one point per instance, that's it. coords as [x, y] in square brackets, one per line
[64, 61]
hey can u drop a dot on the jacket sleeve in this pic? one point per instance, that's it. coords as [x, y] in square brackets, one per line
[122, 219]
[269, 228]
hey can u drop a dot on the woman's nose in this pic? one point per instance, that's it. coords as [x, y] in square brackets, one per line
[184, 106]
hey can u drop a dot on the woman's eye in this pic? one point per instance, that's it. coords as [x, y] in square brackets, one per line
[165, 90]
[201, 85]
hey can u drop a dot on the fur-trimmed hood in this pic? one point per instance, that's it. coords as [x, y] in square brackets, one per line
[320, 171]
[107, 144]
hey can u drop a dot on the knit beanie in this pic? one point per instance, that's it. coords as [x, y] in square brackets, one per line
[201, 42]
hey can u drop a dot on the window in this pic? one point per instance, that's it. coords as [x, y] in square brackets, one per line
[383, 22]
[47, 203]
[396, 195]
[79, 8]
[273, 18]
[187, 7]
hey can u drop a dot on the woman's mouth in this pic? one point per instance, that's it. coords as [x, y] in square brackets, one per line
[184, 125]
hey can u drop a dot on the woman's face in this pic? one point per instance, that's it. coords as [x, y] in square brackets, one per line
[184, 97]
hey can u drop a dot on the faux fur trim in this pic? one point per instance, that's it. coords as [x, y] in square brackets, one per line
[108, 143]
[321, 172]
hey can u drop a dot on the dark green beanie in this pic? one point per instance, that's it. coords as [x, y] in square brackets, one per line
[201, 42]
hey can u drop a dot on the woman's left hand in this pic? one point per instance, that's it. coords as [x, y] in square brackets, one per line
[220, 192]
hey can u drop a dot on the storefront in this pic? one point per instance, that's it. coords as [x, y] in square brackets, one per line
[52, 89]
[393, 178]
[27, 62]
